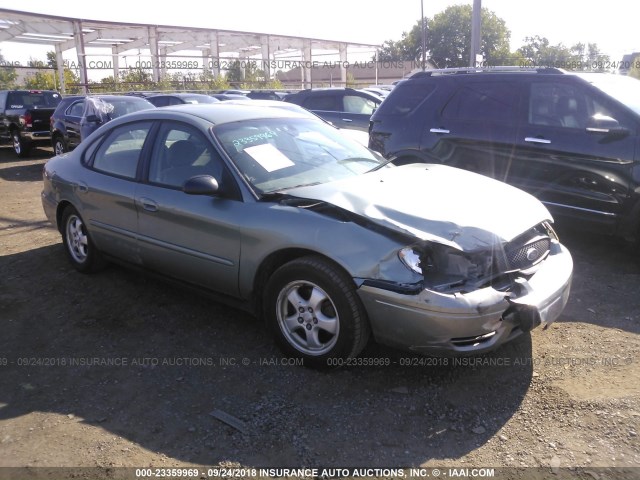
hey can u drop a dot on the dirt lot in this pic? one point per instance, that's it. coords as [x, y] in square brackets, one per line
[565, 397]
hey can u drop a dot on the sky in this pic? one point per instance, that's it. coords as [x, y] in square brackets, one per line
[610, 24]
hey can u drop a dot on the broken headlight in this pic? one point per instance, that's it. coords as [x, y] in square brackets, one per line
[445, 268]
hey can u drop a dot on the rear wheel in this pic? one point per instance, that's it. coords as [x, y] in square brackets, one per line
[82, 253]
[20, 145]
[59, 145]
[315, 313]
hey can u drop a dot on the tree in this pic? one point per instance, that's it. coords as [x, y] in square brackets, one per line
[448, 39]
[538, 52]
[8, 74]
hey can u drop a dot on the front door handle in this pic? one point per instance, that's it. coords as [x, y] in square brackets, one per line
[537, 140]
[347, 120]
[439, 130]
[148, 204]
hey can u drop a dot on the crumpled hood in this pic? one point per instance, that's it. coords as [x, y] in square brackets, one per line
[435, 203]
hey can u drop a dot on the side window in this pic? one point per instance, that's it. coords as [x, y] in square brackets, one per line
[357, 104]
[559, 105]
[3, 101]
[76, 109]
[493, 102]
[406, 98]
[328, 103]
[161, 101]
[120, 152]
[182, 152]
[174, 101]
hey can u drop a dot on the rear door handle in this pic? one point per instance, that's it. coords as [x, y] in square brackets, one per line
[148, 204]
[439, 130]
[537, 140]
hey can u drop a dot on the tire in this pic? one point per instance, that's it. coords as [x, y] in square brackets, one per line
[312, 308]
[82, 253]
[20, 145]
[59, 145]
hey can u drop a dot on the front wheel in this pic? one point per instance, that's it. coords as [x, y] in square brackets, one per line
[314, 312]
[82, 253]
[20, 145]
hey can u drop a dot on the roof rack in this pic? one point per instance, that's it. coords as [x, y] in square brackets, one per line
[497, 69]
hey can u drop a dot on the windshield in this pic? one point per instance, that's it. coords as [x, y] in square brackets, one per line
[282, 153]
[624, 89]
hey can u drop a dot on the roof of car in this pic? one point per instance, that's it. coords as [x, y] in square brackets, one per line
[218, 113]
[177, 94]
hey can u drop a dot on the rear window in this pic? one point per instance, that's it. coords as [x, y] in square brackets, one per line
[405, 97]
[33, 100]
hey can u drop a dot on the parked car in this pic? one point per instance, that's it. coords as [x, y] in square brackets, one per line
[310, 230]
[266, 95]
[357, 135]
[165, 99]
[223, 97]
[570, 139]
[344, 107]
[78, 116]
[381, 92]
[24, 118]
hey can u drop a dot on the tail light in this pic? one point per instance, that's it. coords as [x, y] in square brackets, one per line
[26, 120]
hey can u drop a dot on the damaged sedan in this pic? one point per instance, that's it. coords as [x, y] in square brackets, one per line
[325, 240]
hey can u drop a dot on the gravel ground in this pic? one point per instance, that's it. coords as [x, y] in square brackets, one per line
[121, 369]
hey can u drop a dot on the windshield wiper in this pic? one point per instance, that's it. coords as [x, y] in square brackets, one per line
[383, 164]
[358, 159]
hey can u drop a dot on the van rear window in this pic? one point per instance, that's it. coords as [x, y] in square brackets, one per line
[33, 100]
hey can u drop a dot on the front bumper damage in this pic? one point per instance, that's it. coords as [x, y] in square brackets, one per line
[435, 323]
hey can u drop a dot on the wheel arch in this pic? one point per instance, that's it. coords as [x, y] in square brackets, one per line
[60, 211]
[275, 260]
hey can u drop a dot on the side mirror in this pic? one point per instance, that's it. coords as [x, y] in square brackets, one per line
[201, 185]
[605, 125]
[92, 119]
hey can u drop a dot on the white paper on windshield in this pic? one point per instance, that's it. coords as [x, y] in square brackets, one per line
[269, 157]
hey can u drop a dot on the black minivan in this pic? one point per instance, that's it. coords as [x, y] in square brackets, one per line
[570, 139]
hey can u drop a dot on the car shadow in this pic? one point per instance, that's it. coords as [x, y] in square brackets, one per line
[150, 362]
[13, 169]
[606, 280]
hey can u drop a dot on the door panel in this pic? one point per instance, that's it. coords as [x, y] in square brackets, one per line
[475, 130]
[576, 172]
[190, 237]
[108, 189]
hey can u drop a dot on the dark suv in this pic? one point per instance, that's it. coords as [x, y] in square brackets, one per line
[343, 107]
[570, 139]
[78, 116]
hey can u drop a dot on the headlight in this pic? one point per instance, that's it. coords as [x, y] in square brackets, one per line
[411, 258]
[443, 267]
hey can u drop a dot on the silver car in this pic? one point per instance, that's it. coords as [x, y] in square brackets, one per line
[321, 237]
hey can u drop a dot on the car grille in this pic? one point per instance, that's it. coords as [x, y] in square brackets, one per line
[524, 252]
[529, 254]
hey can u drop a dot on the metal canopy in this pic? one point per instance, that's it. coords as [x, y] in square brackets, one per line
[66, 33]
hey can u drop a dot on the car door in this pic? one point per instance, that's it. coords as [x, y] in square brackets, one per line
[190, 237]
[475, 127]
[577, 169]
[107, 188]
[71, 120]
[356, 111]
[327, 105]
